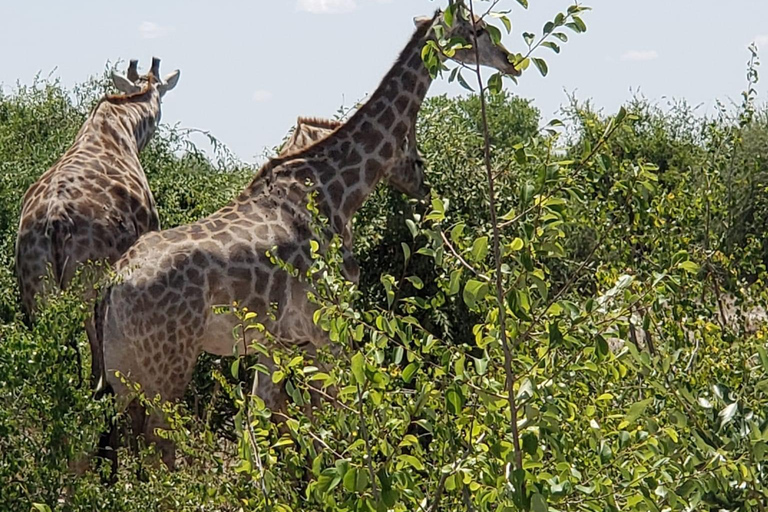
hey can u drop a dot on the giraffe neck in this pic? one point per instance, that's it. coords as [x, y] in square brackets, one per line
[123, 123]
[351, 161]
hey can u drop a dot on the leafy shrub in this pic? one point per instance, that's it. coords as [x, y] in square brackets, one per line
[579, 353]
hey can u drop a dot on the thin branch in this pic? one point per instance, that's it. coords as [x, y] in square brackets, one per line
[603, 139]
[368, 450]
[462, 260]
[312, 435]
[255, 444]
[457, 463]
[510, 375]
[249, 428]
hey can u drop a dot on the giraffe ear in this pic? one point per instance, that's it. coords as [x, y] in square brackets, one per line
[170, 81]
[418, 20]
[123, 84]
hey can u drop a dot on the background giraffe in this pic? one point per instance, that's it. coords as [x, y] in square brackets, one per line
[405, 176]
[158, 317]
[94, 202]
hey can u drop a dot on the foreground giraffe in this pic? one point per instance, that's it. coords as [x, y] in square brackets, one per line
[157, 318]
[94, 202]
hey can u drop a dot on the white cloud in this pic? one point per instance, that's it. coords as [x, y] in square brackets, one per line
[152, 30]
[761, 40]
[261, 95]
[640, 55]
[326, 6]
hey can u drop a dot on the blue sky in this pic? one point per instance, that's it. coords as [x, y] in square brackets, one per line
[249, 68]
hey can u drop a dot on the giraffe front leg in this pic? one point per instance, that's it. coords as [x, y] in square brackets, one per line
[97, 354]
[154, 422]
[350, 268]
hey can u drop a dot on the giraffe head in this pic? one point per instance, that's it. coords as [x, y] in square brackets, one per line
[132, 82]
[466, 27]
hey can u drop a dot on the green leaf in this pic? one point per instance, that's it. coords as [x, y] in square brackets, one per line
[530, 443]
[763, 358]
[606, 454]
[637, 409]
[406, 251]
[457, 232]
[494, 33]
[578, 21]
[350, 479]
[474, 290]
[358, 365]
[438, 211]
[448, 15]
[517, 244]
[521, 157]
[411, 461]
[528, 38]
[41, 507]
[278, 376]
[283, 441]
[481, 365]
[409, 371]
[480, 249]
[689, 266]
[415, 281]
[361, 482]
[505, 20]
[621, 115]
[541, 65]
[454, 400]
[552, 46]
[539, 503]
[495, 84]
[390, 497]
[412, 227]
[409, 440]
[235, 368]
[359, 332]
[555, 336]
[463, 82]
[455, 283]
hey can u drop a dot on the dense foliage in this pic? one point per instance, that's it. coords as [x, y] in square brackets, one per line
[598, 346]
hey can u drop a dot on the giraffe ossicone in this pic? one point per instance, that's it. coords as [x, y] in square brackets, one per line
[158, 317]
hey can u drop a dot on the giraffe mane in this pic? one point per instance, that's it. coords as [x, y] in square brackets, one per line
[320, 122]
[272, 164]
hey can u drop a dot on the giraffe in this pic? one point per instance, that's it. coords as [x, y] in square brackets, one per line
[157, 317]
[406, 176]
[94, 202]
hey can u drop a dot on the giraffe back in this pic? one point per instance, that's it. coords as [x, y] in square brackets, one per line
[95, 201]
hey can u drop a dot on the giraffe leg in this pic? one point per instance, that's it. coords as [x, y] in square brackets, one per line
[138, 415]
[108, 441]
[167, 448]
[274, 395]
[97, 354]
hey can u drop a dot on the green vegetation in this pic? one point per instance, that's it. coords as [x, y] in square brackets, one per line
[627, 267]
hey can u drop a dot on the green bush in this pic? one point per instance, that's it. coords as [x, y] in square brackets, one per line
[607, 377]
